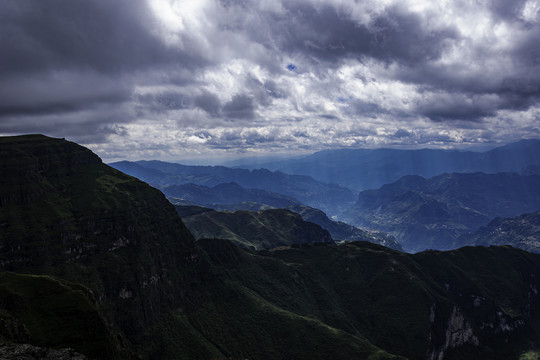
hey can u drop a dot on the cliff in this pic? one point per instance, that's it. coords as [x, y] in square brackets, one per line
[65, 213]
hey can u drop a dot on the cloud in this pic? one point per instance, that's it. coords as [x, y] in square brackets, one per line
[241, 106]
[143, 77]
[208, 102]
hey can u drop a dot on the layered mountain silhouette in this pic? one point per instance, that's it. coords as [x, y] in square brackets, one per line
[98, 261]
[432, 213]
[362, 169]
[226, 194]
[330, 198]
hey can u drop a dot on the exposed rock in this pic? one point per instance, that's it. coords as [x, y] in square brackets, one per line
[30, 352]
[458, 332]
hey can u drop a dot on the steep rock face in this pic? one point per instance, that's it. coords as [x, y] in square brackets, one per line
[458, 332]
[65, 213]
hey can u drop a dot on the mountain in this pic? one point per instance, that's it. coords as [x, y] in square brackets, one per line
[432, 213]
[93, 259]
[330, 198]
[521, 232]
[226, 194]
[64, 213]
[344, 232]
[470, 303]
[256, 230]
[361, 169]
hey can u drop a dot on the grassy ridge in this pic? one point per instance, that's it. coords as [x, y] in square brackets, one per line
[401, 303]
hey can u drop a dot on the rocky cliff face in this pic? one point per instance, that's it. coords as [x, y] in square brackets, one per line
[65, 213]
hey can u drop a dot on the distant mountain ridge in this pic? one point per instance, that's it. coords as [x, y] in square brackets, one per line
[522, 232]
[361, 169]
[432, 213]
[226, 194]
[330, 198]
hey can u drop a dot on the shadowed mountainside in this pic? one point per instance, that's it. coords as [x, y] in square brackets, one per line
[161, 295]
[256, 230]
[470, 303]
[64, 213]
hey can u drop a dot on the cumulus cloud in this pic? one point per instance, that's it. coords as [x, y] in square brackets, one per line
[163, 78]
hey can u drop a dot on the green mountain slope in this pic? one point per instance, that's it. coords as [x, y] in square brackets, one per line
[471, 303]
[256, 230]
[521, 232]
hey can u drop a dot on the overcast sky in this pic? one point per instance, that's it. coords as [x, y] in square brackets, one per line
[173, 79]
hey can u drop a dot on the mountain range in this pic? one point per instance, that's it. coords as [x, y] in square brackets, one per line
[361, 169]
[330, 198]
[521, 232]
[226, 194]
[271, 228]
[102, 251]
[432, 213]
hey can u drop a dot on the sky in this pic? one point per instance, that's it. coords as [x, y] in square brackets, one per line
[201, 79]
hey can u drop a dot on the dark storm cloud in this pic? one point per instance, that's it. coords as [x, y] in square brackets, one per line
[241, 106]
[92, 126]
[208, 102]
[485, 73]
[163, 101]
[61, 57]
[100, 35]
[318, 72]
[506, 10]
[330, 33]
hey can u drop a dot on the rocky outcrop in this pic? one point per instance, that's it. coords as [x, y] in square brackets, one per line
[458, 332]
[30, 352]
